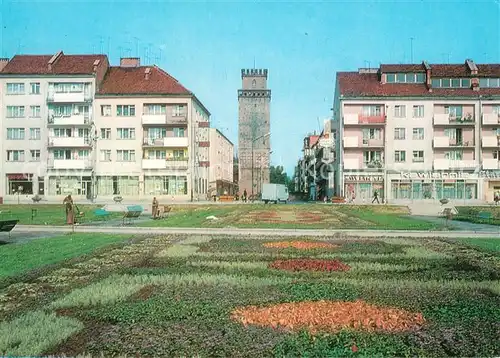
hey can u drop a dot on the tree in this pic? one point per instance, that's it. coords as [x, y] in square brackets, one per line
[277, 175]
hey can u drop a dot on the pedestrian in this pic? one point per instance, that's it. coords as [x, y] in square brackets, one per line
[497, 197]
[244, 196]
[70, 211]
[154, 208]
[375, 197]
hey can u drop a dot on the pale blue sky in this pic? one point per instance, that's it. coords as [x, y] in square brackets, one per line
[205, 45]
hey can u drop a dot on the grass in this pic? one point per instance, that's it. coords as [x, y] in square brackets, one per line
[471, 213]
[20, 258]
[492, 245]
[155, 298]
[48, 214]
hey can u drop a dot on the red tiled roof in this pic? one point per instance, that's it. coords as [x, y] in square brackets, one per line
[439, 70]
[489, 70]
[354, 84]
[132, 80]
[402, 68]
[64, 65]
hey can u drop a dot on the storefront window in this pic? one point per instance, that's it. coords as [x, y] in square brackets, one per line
[20, 184]
[416, 192]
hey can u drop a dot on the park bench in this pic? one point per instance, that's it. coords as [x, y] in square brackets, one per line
[226, 198]
[133, 212]
[101, 213]
[8, 225]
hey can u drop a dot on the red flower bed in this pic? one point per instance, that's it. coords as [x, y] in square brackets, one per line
[309, 265]
[300, 245]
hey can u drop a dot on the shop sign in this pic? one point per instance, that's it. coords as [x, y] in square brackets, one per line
[438, 175]
[19, 176]
[364, 178]
[492, 174]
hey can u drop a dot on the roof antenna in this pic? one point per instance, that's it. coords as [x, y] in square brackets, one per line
[411, 49]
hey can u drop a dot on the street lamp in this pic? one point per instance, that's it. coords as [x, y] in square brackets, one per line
[253, 141]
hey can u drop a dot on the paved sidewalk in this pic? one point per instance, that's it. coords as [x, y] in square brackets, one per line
[259, 232]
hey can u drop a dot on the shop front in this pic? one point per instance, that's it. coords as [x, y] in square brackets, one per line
[434, 186]
[491, 184]
[361, 188]
[19, 183]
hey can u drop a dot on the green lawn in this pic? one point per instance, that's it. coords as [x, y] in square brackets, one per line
[293, 217]
[179, 296]
[20, 258]
[492, 245]
[46, 214]
[470, 214]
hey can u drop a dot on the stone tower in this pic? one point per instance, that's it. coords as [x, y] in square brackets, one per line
[253, 128]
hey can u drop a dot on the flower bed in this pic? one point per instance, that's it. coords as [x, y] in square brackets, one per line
[309, 265]
[329, 316]
[301, 245]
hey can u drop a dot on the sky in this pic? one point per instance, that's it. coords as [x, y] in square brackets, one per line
[205, 45]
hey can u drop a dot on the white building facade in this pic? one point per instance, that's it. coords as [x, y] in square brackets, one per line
[221, 164]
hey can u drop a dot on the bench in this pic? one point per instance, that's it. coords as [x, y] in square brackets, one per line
[226, 198]
[163, 211]
[133, 212]
[101, 213]
[8, 225]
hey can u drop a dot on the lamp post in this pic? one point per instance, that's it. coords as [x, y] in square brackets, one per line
[253, 141]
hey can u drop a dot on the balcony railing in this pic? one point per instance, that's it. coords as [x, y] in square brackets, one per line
[168, 142]
[492, 119]
[69, 97]
[68, 142]
[361, 119]
[72, 120]
[84, 163]
[490, 142]
[449, 119]
[443, 164]
[151, 119]
[491, 164]
[446, 142]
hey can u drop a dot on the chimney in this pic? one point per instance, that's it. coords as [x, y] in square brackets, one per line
[147, 72]
[428, 81]
[53, 60]
[96, 64]
[130, 62]
[3, 63]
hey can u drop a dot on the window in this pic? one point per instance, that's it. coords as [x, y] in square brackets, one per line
[15, 133]
[15, 111]
[179, 154]
[63, 111]
[400, 156]
[450, 133]
[418, 156]
[372, 133]
[35, 111]
[454, 111]
[391, 78]
[445, 82]
[156, 154]
[155, 109]
[68, 87]
[489, 82]
[62, 132]
[409, 77]
[157, 133]
[372, 156]
[451, 82]
[418, 133]
[178, 111]
[125, 133]
[35, 155]
[420, 78]
[35, 88]
[105, 133]
[179, 132]
[400, 111]
[399, 133]
[15, 155]
[63, 154]
[82, 133]
[125, 155]
[435, 82]
[372, 111]
[105, 110]
[453, 155]
[125, 110]
[15, 88]
[105, 155]
[496, 131]
[35, 134]
[401, 77]
[455, 82]
[418, 111]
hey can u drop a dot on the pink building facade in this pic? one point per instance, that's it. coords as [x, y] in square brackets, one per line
[418, 132]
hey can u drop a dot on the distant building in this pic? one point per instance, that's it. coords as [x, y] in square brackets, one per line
[254, 144]
[418, 132]
[221, 164]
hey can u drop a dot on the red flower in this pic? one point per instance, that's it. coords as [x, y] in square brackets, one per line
[354, 348]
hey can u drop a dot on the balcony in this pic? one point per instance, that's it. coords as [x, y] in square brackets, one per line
[372, 143]
[353, 164]
[69, 164]
[362, 120]
[182, 120]
[173, 164]
[154, 119]
[446, 142]
[69, 97]
[490, 142]
[73, 120]
[68, 142]
[358, 142]
[446, 164]
[169, 142]
[443, 119]
[491, 164]
[491, 119]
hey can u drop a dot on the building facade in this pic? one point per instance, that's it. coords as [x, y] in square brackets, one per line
[419, 132]
[254, 126]
[221, 164]
[92, 130]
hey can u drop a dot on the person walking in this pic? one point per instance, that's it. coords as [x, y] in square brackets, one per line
[496, 197]
[244, 196]
[69, 208]
[375, 197]
[154, 208]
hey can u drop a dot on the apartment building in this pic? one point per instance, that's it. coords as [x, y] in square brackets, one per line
[419, 132]
[46, 116]
[221, 164]
[73, 124]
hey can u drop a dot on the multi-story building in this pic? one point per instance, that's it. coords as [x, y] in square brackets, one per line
[221, 164]
[253, 130]
[75, 125]
[306, 181]
[419, 132]
[46, 116]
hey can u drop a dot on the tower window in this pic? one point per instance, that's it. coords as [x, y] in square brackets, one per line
[254, 83]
